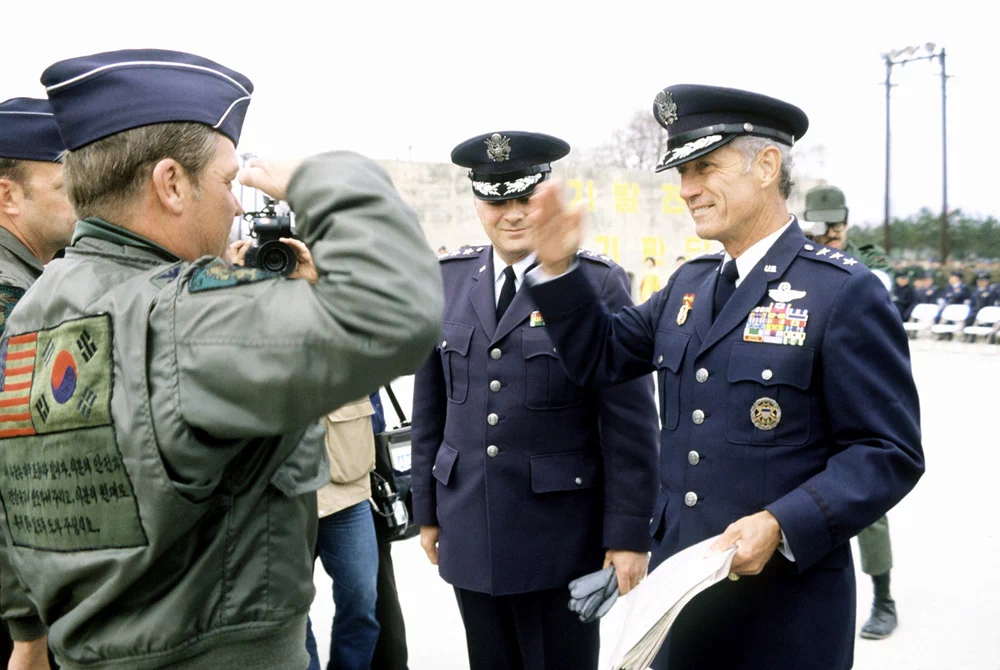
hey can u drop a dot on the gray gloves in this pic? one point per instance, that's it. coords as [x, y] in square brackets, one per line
[592, 596]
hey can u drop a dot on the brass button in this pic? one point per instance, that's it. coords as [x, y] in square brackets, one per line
[690, 498]
[698, 416]
[494, 386]
[766, 374]
[701, 375]
[694, 458]
[733, 577]
[493, 419]
[579, 481]
[496, 354]
[492, 451]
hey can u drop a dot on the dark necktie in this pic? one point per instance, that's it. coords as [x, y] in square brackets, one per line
[726, 286]
[506, 293]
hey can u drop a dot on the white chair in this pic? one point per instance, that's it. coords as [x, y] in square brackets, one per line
[921, 318]
[986, 319]
[952, 320]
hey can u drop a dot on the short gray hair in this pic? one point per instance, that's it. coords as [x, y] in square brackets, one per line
[751, 145]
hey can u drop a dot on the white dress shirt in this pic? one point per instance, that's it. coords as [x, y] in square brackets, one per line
[519, 269]
[748, 259]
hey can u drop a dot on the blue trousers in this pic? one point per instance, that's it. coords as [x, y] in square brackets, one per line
[347, 547]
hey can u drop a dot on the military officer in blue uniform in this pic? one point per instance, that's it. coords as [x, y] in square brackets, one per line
[984, 295]
[926, 291]
[790, 417]
[522, 480]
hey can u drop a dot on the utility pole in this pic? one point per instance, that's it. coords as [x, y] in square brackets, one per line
[945, 241]
[886, 230]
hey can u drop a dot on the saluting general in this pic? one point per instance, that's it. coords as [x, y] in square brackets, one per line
[522, 480]
[790, 419]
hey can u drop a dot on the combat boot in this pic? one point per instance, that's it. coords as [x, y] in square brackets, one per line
[882, 621]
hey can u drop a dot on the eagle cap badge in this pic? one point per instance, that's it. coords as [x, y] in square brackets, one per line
[498, 148]
[666, 109]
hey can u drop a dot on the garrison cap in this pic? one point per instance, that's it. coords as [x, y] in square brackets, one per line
[825, 204]
[508, 164]
[106, 93]
[700, 119]
[28, 131]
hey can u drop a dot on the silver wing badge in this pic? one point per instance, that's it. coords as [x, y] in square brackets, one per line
[785, 293]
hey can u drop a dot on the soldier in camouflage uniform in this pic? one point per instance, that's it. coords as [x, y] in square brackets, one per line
[826, 211]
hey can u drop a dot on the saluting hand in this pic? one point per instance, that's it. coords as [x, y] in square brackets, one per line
[270, 176]
[429, 542]
[630, 568]
[557, 229]
[756, 538]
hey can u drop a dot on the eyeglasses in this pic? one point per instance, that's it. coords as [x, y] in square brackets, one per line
[836, 227]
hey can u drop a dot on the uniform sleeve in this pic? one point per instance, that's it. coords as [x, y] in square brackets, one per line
[596, 347]
[629, 430]
[271, 356]
[16, 609]
[430, 406]
[873, 410]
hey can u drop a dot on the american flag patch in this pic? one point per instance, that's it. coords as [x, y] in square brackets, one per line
[17, 366]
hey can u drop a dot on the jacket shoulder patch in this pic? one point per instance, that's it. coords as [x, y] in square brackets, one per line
[63, 480]
[218, 274]
[9, 297]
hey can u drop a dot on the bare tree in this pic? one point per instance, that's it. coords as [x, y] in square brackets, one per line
[637, 146]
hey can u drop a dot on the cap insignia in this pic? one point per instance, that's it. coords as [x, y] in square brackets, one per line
[498, 148]
[666, 108]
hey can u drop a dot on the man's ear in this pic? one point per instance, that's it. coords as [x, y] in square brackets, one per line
[11, 196]
[767, 166]
[171, 185]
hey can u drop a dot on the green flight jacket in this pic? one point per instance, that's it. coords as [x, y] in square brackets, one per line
[872, 255]
[158, 506]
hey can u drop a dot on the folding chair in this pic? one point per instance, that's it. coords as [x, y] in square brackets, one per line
[952, 320]
[921, 318]
[985, 320]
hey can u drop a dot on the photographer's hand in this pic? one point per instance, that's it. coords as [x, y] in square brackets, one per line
[270, 176]
[305, 268]
[237, 252]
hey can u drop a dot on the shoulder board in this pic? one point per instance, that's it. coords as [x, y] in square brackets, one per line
[464, 253]
[714, 256]
[218, 274]
[830, 256]
[589, 255]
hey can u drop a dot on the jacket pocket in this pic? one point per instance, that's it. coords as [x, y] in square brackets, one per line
[444, 463]
[456, 339]
[546, 385]
[564, 472]
[668, 353]
[769, 397]
[656, 522]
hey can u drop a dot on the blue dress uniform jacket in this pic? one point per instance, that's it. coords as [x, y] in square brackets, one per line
[528, 475]
[845, 449]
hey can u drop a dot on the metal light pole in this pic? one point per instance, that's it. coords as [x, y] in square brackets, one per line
[902, 57]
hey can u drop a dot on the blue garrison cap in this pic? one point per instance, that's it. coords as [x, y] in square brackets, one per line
[508, 164]
[700, 119]
[103, 94]
[28, 131]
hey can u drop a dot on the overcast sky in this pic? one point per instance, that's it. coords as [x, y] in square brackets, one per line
[409, 80]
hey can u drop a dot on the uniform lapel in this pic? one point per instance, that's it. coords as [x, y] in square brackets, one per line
[702, 310]
[520, 309]
[482, 295]
[752, 289]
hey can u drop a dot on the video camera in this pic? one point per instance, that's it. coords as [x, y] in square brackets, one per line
[267, 252]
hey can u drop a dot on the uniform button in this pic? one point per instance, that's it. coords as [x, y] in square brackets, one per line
[690, 498]
[496, 354]
[809, 247]
[492, 451]
[493, 419]
[733, 577]
[444, 343]
[698, 416]
[494, 386]
[766, 374]
[701, 375]
[579, 481]
[694, 457]
[659, 360]
[555, 350]
[434, 468]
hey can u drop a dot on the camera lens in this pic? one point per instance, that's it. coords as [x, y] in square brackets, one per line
[276, 257]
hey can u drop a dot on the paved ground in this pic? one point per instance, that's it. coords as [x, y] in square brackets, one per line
[945, 536]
